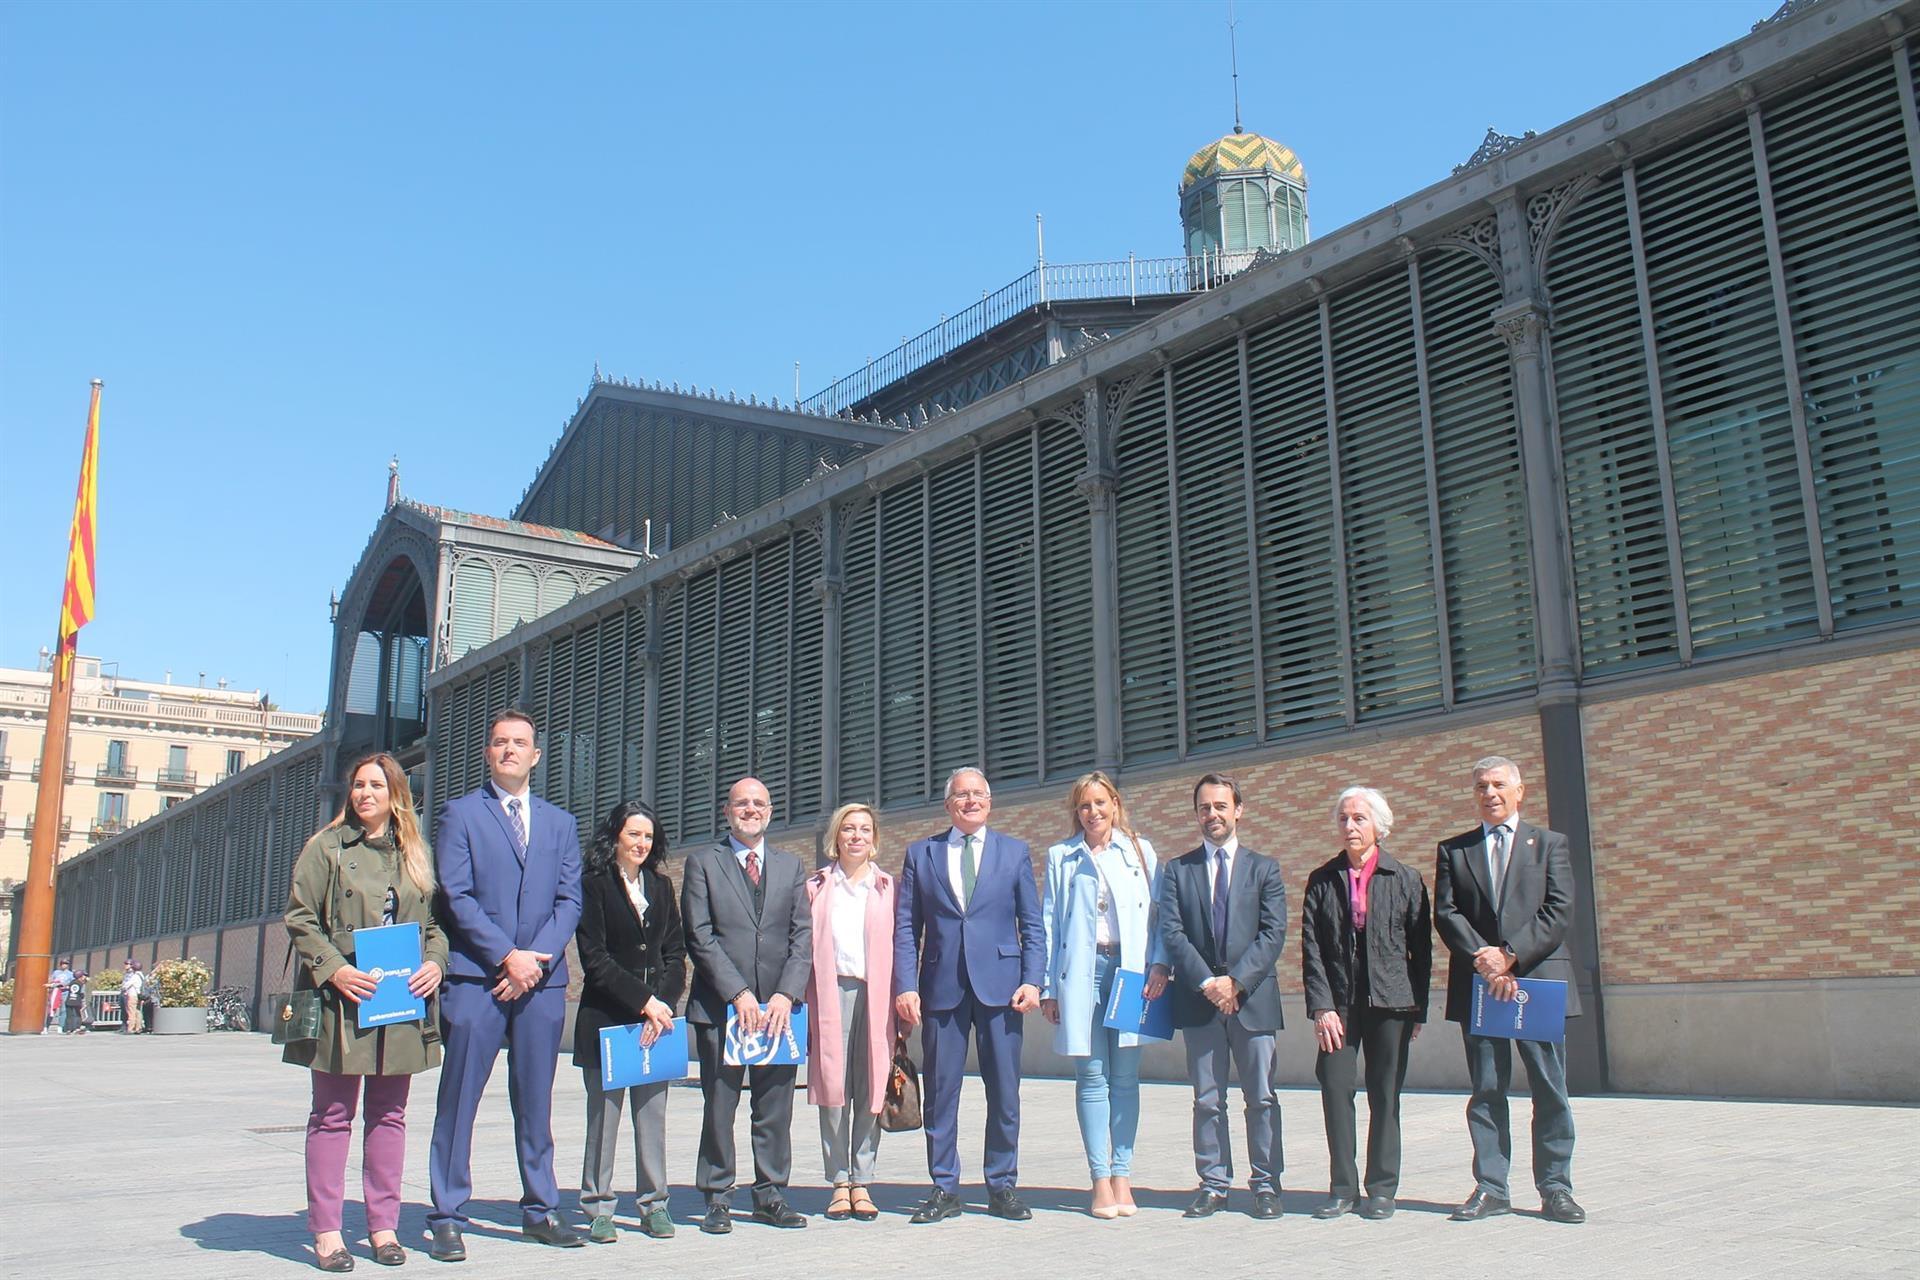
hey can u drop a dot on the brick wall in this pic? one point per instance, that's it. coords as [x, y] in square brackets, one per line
[1761, 828]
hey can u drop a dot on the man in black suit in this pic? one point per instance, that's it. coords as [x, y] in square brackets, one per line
[750, 933]
[1503, 898]
[1223, 916]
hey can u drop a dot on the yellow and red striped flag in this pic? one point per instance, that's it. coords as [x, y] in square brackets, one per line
[76, 606]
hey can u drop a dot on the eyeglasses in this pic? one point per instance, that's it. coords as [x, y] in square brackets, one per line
[972, 795]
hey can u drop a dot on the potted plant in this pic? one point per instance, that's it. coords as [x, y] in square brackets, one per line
[184, 986]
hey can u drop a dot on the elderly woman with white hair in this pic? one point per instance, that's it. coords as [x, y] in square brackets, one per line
[1366, 953]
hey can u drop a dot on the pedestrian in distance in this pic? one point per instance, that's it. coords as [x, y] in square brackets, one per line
[1098, 906]
[370, 866]
[1366, 954]
[850, 991]
[634, 955]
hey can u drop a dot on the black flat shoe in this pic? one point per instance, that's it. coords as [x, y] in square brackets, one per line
[447, 1246]
[551, 1231]
[939, 1206]
[864, 1209]
[840, 1208]
[1206, 1204]
[338, 1260]
[718, 1220]
[1480, 1205]
[1559, 1206]
[1377, 1208]
[1338, 1207]
[1005, 1204]
[390, 1254]
[778, 1213]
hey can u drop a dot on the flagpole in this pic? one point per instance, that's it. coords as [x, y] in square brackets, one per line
[34, 960]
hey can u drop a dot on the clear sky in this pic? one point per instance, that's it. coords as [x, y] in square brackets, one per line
[295, 239]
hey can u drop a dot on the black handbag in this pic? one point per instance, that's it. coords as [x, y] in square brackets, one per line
[299, 1018]
[901, 1111]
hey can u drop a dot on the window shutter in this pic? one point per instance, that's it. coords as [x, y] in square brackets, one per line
[1011, 751]
[803, 683]
[701, 792]
[952, 630]
[1396, 647]
[670, 779]
[859, 656]
[1292, 476]
[1150, 712]
[1065, 618]
[903, 617]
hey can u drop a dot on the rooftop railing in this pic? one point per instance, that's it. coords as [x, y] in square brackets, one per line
[1130, 278]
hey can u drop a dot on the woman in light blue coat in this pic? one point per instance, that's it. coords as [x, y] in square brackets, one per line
[1099, 920]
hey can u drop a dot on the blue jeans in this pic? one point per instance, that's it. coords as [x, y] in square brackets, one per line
[1106, 1087]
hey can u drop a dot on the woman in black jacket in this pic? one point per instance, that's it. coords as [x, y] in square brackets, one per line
[634, 955]
[1366, 952]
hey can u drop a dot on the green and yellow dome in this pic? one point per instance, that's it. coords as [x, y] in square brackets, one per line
[1240, 152]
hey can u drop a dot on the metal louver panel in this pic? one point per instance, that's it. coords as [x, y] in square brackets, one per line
[1742, 533]
[1148, 589]
[772, 747]
[1396, 643]
[1211, 529]
[671, 772]
[1009, 520]
[633, 703]
[804, 683]
[472, 605]
[1610, 455]
[1065, 616]
[700, 789]
[739, 631]
[519, 597]
[1850, 238]
[952, 627]
[859, 656]
[1483, 500]
[1294, 506]
[902, 621]
[209, 850]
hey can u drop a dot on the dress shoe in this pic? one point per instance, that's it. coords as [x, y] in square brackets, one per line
[1558, 1206]
[719, 1218]
[778, 1213]
[550, 1230]
[939, 1206]
[602, 1230]
[658, 1223]
[390, 1254]
[1266, 1204]
[1003, 1203]
[1481, 1204]
[1206, 1204]
[338, 1260]
[1377, 1208]
[447, 1245]
[1338, 1207]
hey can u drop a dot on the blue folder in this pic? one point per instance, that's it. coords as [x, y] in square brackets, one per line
[625, 1062]
[1538, 1011]
[390, 955]
[1129, 1011]
[758, 1050]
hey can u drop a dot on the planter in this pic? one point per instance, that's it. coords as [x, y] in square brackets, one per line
[179, 1022]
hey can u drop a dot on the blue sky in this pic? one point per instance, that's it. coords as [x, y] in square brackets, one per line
[295, 239]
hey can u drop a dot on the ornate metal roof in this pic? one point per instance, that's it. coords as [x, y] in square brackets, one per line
[1239, 152]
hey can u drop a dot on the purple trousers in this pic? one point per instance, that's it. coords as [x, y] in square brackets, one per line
[382, 1159]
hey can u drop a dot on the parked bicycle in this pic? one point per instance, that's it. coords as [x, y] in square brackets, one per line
[227, 1010]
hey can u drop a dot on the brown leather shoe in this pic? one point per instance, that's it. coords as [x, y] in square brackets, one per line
[338, 1260]
[390, 1254]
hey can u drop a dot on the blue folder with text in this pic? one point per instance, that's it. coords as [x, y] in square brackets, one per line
[1538, 1011]
[1128, 1010]
[390, 955]
[761, 1050]
[625, 1062]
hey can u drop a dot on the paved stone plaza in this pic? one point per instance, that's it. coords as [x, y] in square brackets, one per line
[171, 1157]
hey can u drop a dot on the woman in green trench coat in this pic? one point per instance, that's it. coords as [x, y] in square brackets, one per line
[369, 866]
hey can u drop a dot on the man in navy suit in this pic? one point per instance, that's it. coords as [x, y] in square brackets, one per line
[969, 903]
[509, 867]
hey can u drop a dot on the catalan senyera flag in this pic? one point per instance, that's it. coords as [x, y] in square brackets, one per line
[76, 607]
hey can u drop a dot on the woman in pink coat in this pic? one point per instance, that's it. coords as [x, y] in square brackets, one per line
[851, 1027]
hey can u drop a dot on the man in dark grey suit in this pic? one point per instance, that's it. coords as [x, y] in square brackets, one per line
[1223, 913]
[750, 934]
[1502, 901]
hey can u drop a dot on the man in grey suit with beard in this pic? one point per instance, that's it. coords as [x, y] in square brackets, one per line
[750, 933]
[1223, 916]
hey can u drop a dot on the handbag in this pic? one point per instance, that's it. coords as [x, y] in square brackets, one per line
[299, 1017]
[901, 1111]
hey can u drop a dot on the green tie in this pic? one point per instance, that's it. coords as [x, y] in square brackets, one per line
[969, 871]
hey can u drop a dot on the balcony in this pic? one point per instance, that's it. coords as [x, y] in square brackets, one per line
[66, 828]
[111, 772]
[171, 779]
[36, 771]
[6, 766]
[107, 827]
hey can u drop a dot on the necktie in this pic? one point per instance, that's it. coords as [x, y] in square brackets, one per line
[1220, 904]
[518, 827]
[753, 867]
[969, 870]
[1499, 860]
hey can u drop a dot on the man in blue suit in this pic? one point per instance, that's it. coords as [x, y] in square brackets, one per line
[969, 903]
[509, 867]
